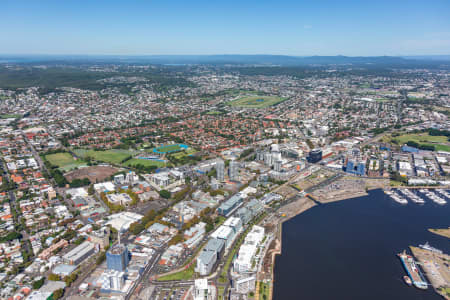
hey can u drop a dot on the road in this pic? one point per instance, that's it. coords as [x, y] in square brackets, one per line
[219, 269]
[13, 205]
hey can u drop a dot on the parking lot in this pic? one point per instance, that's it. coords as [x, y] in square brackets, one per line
[175, 293]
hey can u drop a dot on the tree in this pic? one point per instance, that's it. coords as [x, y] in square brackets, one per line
[53, 277]
[70, 279]
[136, 228]
[101, 258]
[38, 283]
[91, 190]
[176, 239]
[58, 294]
[165, 194]
[11, 236]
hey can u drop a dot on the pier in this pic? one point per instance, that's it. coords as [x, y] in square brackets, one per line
[436, 269]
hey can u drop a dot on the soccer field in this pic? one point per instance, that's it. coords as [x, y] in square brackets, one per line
[256, 101]
[440, 143]
[170, 148]
[145, 162]
[109, 156]
[64, 161]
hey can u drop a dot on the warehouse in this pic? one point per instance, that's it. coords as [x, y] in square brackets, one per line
[79, 253]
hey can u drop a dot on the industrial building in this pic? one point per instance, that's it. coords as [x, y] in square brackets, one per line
[409, 149]
[63, 270]
[122, 221]
[79, 253]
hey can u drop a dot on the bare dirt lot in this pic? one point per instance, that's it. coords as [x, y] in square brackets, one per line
[94, 173]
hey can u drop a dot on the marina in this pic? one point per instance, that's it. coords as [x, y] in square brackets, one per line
[403, 195]
[433, 196]
[371, 238]
[412, 196]
[396, 197]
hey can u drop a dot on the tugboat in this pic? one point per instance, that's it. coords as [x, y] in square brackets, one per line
[407, 280]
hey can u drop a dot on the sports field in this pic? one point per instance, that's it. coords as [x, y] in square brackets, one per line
[184, 153]
[214, 112]
[64, 161]
[440, 143]
[169, 148]
[420, 138]
[9, 116]
[256, 101]
[109, 156]
[145, 162]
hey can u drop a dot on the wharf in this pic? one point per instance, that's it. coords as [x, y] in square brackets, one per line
[436, 269]
[412, 270]
[445, 232]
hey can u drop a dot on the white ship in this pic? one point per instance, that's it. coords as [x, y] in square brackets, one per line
[397, 198]
[443, 193]
[435, 198]
[427, 246]
[414, 198]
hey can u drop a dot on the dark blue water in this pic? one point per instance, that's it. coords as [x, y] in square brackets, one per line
[347, 249]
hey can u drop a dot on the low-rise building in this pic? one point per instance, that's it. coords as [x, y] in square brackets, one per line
[79, 253]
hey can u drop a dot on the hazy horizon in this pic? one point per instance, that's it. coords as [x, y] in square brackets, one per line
[212, 54]
[293, 28]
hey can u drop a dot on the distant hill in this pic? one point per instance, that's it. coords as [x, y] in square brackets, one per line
[429, 57]
[278, 60]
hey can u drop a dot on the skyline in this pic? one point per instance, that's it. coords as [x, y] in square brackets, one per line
[201, 28]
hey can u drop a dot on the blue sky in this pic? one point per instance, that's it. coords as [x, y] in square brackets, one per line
[315, 27]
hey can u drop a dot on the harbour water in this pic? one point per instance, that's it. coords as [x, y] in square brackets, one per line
[347, 249]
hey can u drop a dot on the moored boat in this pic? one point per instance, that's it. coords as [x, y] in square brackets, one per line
[413, 271]
[427, 246]
[407, 280]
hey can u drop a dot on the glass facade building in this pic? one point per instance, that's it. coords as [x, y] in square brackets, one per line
[117, 258]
